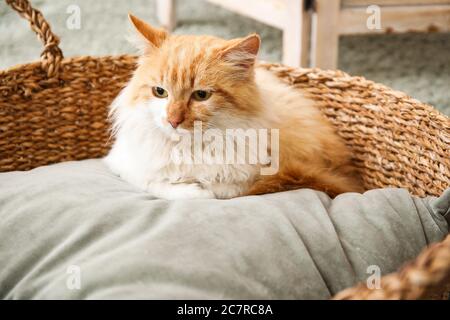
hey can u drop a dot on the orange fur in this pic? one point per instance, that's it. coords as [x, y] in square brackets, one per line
[314, 157]
[185, 63]
[311, 153]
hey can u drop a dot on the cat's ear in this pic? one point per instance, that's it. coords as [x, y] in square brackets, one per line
[242, 51]
[154, 37]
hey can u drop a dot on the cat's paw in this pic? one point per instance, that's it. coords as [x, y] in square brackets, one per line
[192, 191]
[179, 191]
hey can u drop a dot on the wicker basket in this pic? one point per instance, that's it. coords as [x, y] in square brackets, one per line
[55, 110]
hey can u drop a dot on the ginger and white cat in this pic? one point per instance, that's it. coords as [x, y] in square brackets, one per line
[182, 79]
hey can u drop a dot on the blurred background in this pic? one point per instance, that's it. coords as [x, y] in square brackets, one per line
[416, 63]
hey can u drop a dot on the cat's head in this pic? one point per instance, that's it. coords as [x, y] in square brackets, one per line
[185, 78]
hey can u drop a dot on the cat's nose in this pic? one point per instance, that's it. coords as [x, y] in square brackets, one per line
[176, 113]
[175, 122]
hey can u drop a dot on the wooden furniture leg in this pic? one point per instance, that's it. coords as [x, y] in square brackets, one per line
[166, 13]
[296, 34]
[325, 34]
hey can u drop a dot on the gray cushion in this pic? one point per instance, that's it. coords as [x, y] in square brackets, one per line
[297, 244]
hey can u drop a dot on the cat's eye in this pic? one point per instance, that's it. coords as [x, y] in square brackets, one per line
[201, 95]
[160, 92]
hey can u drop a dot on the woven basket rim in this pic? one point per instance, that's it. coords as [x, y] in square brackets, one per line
[342, 74]
[65, 61]
[335, 73]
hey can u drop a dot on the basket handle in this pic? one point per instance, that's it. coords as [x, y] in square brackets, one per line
[52, 55]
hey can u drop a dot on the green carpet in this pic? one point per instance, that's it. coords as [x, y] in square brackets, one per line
[418, 64]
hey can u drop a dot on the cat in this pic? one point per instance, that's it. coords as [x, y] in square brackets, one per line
[182, 80]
